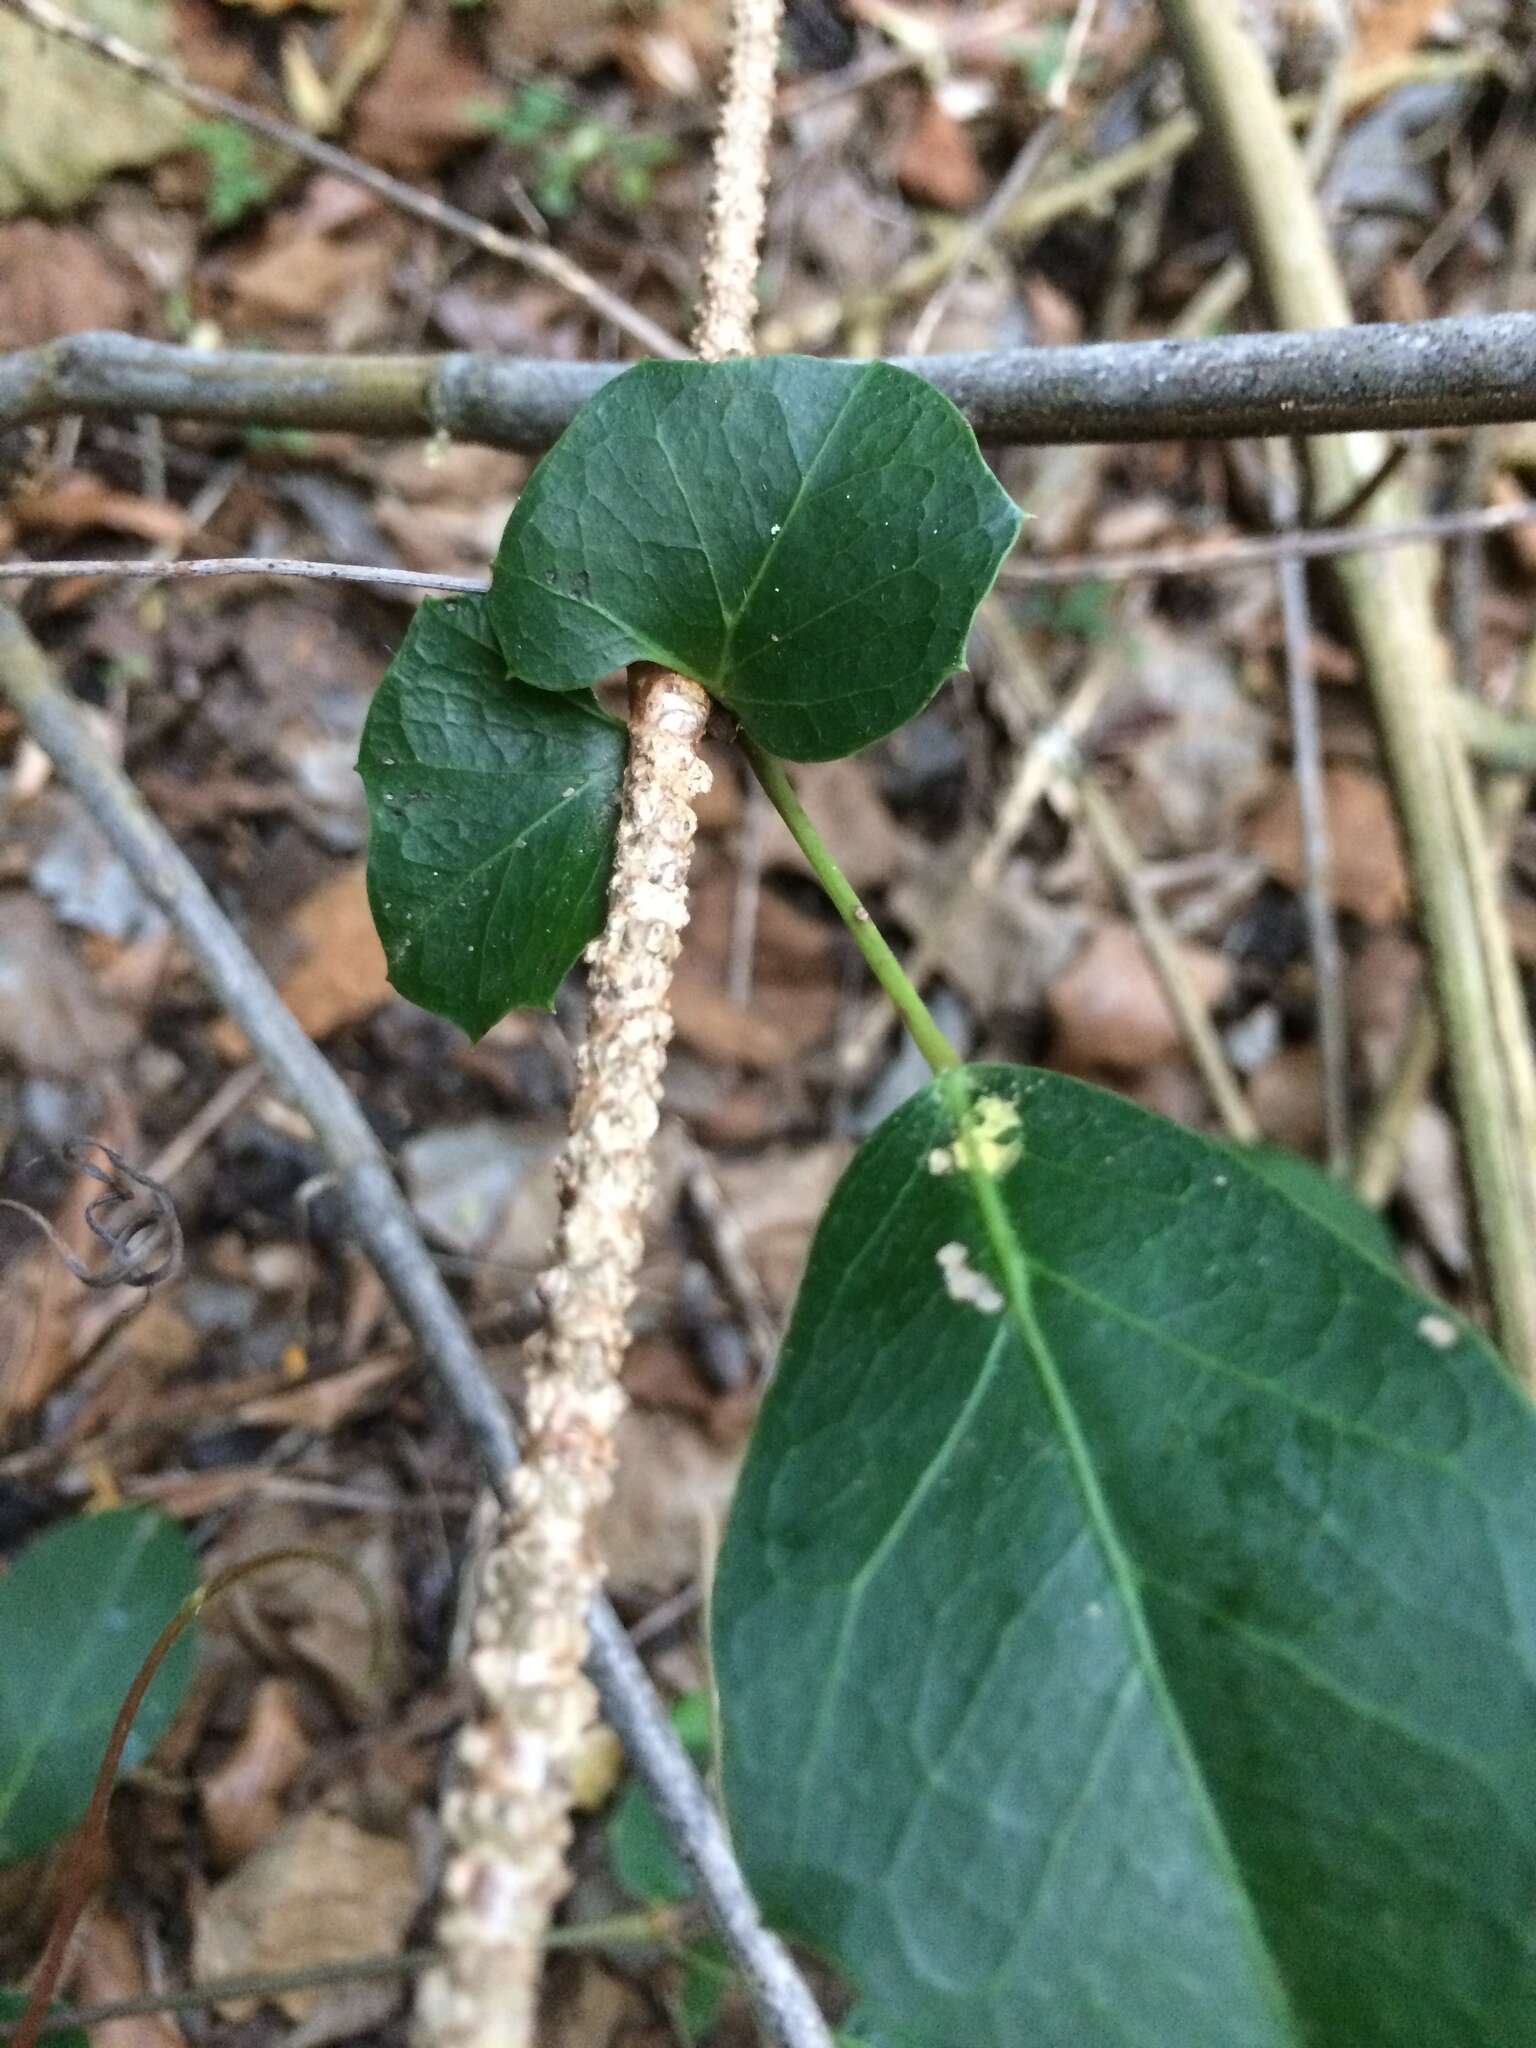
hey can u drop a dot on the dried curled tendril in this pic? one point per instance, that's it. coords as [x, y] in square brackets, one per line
[135, 1219]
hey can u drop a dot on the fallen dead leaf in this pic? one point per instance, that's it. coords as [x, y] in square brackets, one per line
[338, 285]
[107, 1969]
[776, 1199]
[672, 1489]
[1001, 948]
[57, 281]
[1109, 1009]
[67, 119]
[421, 104]
[1432, 1186]
[794, 981]
[341, 975]
[242, 1799]
[1389, 28]
[54, 1016]
[74, 501]
[586, 2006]
[938, 164]
[324, 1404]
[872, 849]
[1366, 866]
[321, 1890]
[1286, 1097]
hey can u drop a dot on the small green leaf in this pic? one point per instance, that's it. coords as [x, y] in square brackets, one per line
[492, 810]
[1124, 1632]
[1323, 1195]
[644, 1862]
[707, 1978]
[810, 540]
[14, 2003]
[79, 1611]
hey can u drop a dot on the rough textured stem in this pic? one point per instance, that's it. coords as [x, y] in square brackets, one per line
[534, 256]
[506, 1820]
[1467, 371]
[739, 199]
[1390, 600]
[881, 961]
[382, 1222]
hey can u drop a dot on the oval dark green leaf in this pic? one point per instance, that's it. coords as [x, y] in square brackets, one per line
[14, 2003]
[492, 810]
[1125, 1631]
[809, 540]
[79, 1611]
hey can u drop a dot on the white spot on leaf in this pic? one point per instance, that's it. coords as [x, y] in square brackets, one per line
[963, 1283]
[1439, 1331]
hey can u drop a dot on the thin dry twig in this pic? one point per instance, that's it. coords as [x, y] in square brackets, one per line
[1316, 857]
[1188, 558]
[438, 213]
[135, 1220]
[386, 1230]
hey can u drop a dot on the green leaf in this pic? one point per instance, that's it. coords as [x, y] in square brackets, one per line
[707, 1979]
[14, 2003]
[1323, 1195]
[810, 540]
[492, 810]
[79, 1611]
[644, 1862]
[1126, 1632]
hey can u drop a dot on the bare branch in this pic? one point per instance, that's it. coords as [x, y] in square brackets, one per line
[437, 213]
[386, 1229]
[1470, 371]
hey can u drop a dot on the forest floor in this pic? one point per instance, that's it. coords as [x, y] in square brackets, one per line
[927, 193]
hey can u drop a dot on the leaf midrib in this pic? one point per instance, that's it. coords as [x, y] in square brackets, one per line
[1014, 1270]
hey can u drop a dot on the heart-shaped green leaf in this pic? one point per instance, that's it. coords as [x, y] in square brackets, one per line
[809, 540]
[492, 810]
[79, 1611]
[1126, 1632]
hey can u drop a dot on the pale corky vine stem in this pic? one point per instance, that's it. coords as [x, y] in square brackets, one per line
[507, 1818]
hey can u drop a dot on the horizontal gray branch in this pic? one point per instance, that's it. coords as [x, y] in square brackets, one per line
[1464, 372]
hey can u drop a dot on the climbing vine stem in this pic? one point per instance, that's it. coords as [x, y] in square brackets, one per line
[844, 898]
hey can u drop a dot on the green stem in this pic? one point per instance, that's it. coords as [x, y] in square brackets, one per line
[883, 964]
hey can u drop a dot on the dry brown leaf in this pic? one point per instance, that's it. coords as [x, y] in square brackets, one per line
[340, 977]
[1389, 28]
[586, 2006]
[794, 980]
[1366, 866]
[672, 1488]
[420, 104]
[321, 1890]
[1433, 1188]
[57, 281]
[1003, 949]
[70, 502]
[67, 119]
[339, 285]
[108, 1968]
[242, 1799]
[1286, 1096]
[1109, 1009]
[776, 1199]
[872, 849]
[938, 165]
